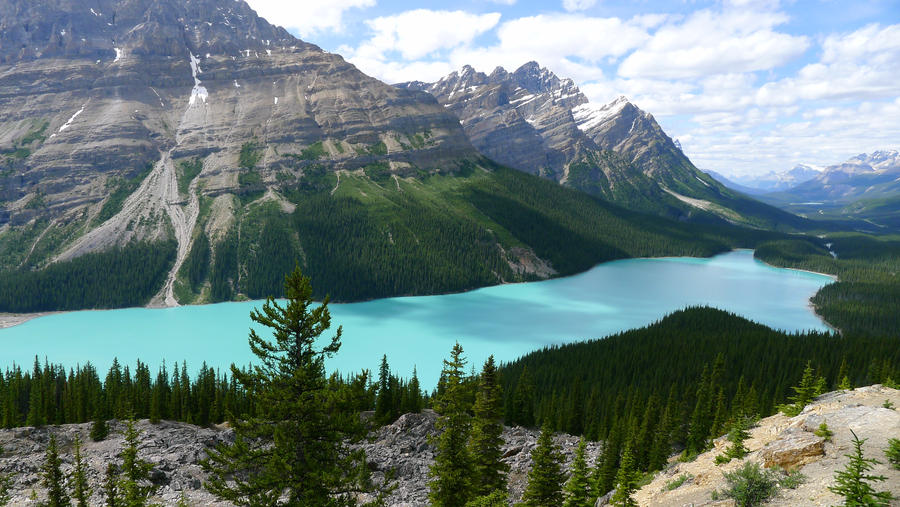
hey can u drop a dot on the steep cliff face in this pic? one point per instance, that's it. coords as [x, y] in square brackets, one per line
[536, 122]
[119, 119]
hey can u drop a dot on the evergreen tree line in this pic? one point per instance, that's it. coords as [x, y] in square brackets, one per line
[48, 394]
[121, 277]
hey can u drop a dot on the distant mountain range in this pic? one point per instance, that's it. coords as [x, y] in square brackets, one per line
[864, 188]
[195, 134]
[772, 181]
[536, 122]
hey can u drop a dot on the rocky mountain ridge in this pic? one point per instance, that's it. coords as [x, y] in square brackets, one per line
[534, 121]
[104, 104]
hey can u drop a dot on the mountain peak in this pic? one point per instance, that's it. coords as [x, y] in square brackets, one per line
[589, 116]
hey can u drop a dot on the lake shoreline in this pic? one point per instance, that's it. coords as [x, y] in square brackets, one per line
[9, 320]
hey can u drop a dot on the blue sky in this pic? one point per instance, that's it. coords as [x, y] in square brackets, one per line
[747, 86]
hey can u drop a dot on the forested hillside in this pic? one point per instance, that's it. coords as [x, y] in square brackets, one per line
[676, 384]
[866, 298]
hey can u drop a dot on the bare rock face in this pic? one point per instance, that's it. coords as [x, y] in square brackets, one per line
[792, 449]
[96, 93]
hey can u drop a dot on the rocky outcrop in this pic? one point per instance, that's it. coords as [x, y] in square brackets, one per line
[794, 448]
[402, 450]
[174, 449]
[789, 442]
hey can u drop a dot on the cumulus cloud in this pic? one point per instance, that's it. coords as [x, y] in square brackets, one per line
[307, 17]
[858, 65]
[416, 34]
[578, 5]
[710, 42]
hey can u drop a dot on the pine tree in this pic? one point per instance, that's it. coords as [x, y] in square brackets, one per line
[578, 490]
[699, 427]
[662, 441]
[99, 429]
[626, 481]
[852, 482]
[111, 486]
[843, 373]
[296, 446]
[737, 434]
[81, 491]
[383, 401]
[487, 428]
[134, 475]
[545, 479]
[810, 387]
[52, 477]
[452, 483]
[605, 471]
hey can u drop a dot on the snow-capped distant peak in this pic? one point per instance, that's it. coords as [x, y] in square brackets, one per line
[588, 116]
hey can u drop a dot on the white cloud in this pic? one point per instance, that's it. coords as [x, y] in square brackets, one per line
[579, 43]
[416, 34]
[577, 48]
[708, 42]
[861, 65]
[308, 17]
[578, 5]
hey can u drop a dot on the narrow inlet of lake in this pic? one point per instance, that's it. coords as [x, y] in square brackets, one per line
[506, 320]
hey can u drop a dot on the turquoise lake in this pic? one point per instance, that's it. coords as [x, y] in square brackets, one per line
[507, 320]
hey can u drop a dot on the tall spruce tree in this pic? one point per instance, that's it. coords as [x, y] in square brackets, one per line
[487, 429]
[295, 449]
[578, 490]
[134, 484]
[626, 481]
[81, 491]
[545, 479]
[452, 474]
[52, 477]
[384, 399]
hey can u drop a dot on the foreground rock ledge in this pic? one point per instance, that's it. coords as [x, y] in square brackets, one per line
[175, 449]
[790, 441]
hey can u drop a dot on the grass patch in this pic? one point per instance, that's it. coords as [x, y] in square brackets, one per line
[678, 481]
[188, 170]
[251, 154]
[378, 148]
[314, 151]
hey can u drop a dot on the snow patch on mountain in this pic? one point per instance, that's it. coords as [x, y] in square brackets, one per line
[588, 116]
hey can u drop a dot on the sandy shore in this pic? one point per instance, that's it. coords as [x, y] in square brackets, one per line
[14, 319]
